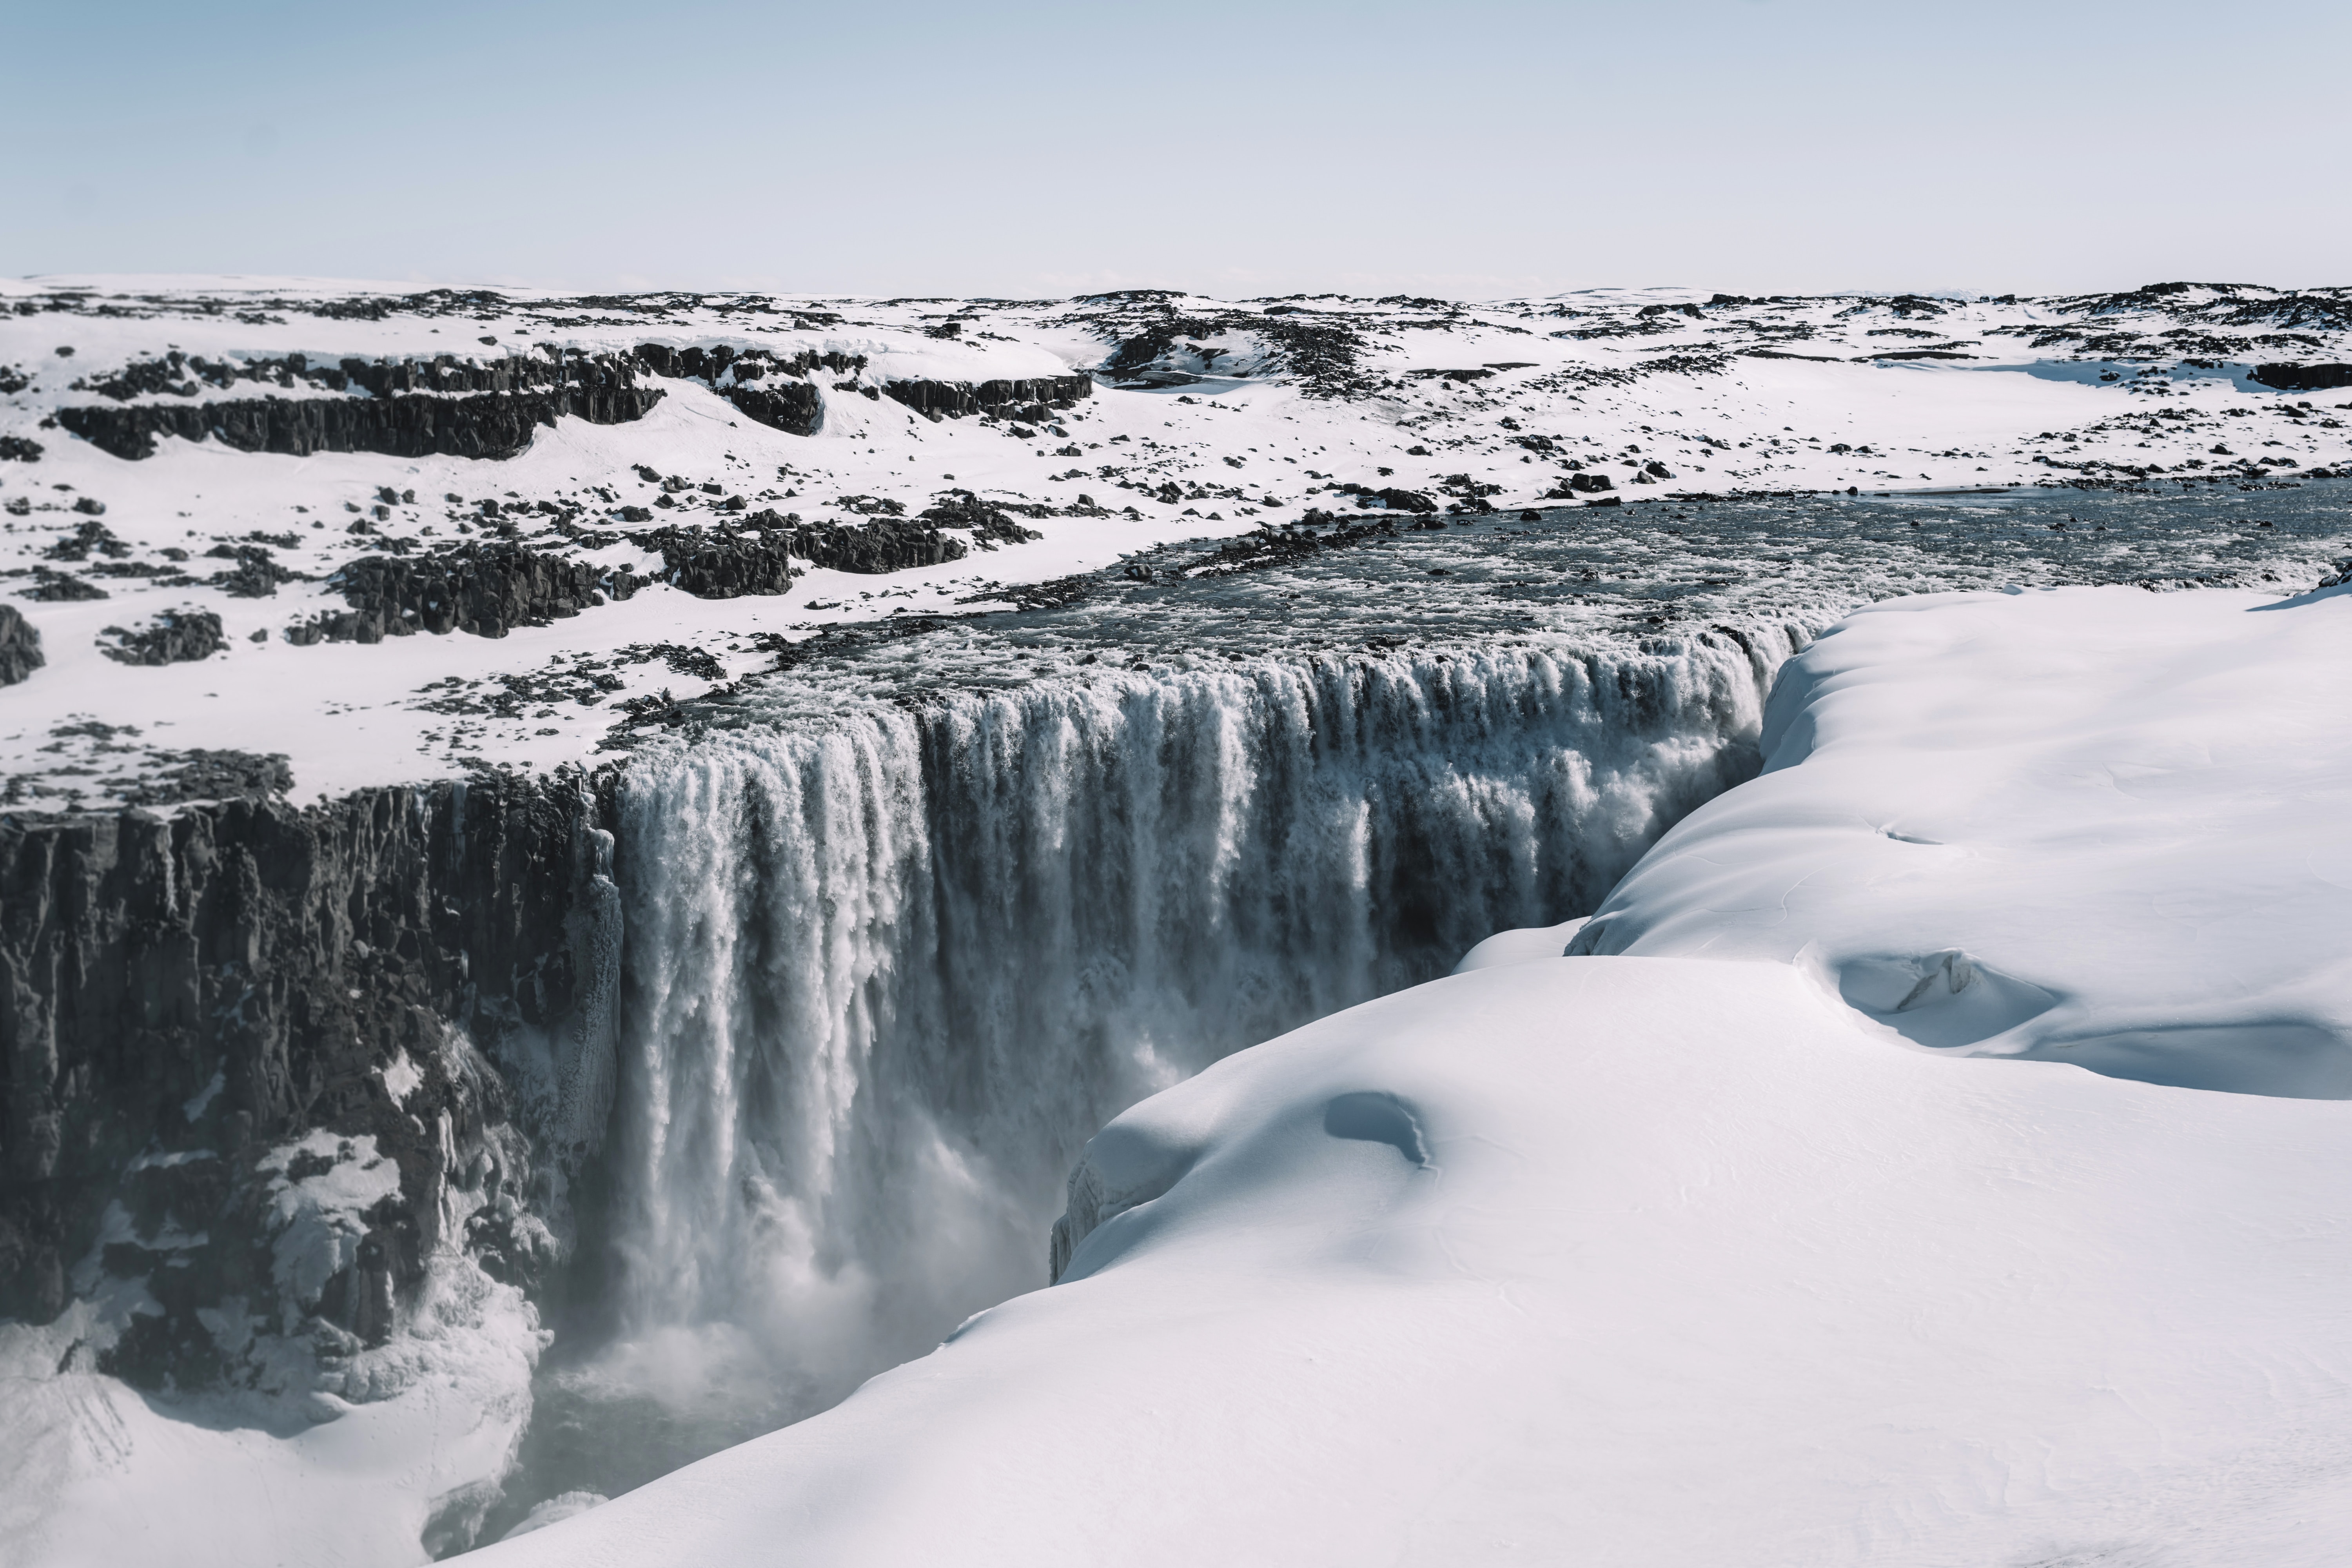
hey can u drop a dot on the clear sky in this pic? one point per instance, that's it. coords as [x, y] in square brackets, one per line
[1472, 149]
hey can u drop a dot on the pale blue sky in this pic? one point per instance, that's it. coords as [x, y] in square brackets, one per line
[1033, 149]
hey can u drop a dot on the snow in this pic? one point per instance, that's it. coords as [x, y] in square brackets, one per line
[317, 1221]
[319, 1451]
[2116, 829]
[555, 1510]
[1697, 1251]
[101, 1474]
[2049, 390]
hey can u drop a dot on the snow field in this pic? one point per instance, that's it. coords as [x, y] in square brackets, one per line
[1693, 1271]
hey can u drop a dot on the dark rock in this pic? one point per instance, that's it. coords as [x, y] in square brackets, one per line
[20, 645]
[18, 449]
[954, 399]
[233, 977]
[795, 407]
[720, 564]
[396, 419]
[961, 509]
[90, 536]
[256, 574]
[1580, 483]
[175, 636]
[59, 587]
[791, 403]
[203, 775]
[485, 588]
[2302, 377]
[882, 545]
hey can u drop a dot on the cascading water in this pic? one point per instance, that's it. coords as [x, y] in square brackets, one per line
[887, 972]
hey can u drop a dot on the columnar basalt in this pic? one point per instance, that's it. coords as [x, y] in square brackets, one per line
[1032, 397]
[276, 1062]
[412, 409]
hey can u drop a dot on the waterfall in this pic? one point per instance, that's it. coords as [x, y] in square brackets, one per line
[887, 972]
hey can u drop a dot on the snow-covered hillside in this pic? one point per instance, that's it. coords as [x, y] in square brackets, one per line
[230, 502]
[1755, 1253]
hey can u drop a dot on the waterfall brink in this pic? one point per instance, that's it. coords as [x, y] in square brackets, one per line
[885, 974]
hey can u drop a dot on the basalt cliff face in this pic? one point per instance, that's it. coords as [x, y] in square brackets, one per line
[276, 1064]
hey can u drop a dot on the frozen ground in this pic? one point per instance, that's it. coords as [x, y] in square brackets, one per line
[1206, 417]
[1753, 1251]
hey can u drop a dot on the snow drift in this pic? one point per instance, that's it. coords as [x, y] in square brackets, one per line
[1706, 1256]
[2079, 825]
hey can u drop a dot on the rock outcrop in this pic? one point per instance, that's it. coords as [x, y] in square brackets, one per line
[485, 588]
[413, 409]
[795, 407]
[1031, 398]
[721, 563]
[768, 388]
[20, 645]
[174, 637]
[884, 544]
[199, 1013]
[2302, 377]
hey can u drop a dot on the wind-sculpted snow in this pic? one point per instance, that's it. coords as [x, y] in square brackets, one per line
[1695, 1271]
[1729, 1246]
[888, 973]
[2079, 825]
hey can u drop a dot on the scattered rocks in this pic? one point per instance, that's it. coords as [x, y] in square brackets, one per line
[174, 637]
[961, 509]
[256, 574]
[52, 586]
[89, 536]
[173, 778]
[1274, 544]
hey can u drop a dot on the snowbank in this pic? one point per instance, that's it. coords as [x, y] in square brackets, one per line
[2084, 824]
[1697, 1260]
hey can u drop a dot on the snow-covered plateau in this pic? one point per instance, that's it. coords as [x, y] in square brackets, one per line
[577, 875]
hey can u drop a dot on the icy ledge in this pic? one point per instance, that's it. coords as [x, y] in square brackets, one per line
[1727, 1259]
